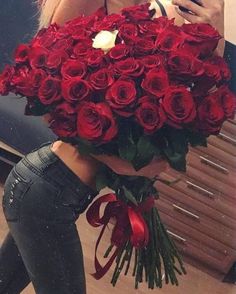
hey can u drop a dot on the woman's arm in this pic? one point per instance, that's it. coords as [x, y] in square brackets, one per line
[123, 167]
[210, 11]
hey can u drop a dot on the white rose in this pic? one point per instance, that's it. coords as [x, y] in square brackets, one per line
[105, 40]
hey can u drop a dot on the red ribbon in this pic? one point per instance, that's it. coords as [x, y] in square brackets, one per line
[129, 225]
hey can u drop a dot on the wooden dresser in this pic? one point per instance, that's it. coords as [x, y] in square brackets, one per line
[199, 210]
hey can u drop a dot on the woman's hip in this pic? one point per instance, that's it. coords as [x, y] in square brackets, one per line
[42, 186]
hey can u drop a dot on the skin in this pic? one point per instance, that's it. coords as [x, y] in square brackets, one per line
[86, 167]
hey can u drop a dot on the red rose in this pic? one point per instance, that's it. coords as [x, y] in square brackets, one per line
[153, 61]
[81, 49]
[138, 12]
[21, 54]
[217, 69]
[110, 23]
[101, 79]
[36, 78]
[228, 101]
[63, 120]
[143, 48]
[63, 45]
[156, 82]
[46, 37]
[121, 96]
[161, 23]
[210, 115]
[202, 86]
[75, 89]
[216, 72]
[55, 59]
[147, 29]
[201, 38]
[95, 57]
[73, 68]
[169, 39]
[149, 115]
[5, 79]
[129, 67]
[78, 33]
[183, 65]
[63, 33]
[96, 122]
[179, 106]
[119, 51]
[200, 32]
[128, 32]
[22, 82]
[50, 91]
[38, 57]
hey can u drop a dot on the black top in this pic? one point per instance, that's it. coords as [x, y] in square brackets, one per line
[230, 57]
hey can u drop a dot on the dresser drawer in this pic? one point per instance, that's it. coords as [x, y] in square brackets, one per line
[217, 155]
[230, 127]
[196, 219]
[206, 250]
[213, 205]
[222, 144]
[214, 168]
[204, 180]
[211, 182]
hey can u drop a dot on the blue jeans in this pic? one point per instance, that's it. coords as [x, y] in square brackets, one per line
[42, 200]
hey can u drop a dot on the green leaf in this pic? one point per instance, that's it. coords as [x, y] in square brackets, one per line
[126, 145]
[197, 139]
[176, 160]
[85, 148]
[176, 147]
[145, 152]
[127, 150]
[129, 196]
[101, 181]
[178, 140]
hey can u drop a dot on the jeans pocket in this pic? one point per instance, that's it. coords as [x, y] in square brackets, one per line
[15, 188]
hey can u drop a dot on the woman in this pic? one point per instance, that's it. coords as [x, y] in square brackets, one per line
[48, 189]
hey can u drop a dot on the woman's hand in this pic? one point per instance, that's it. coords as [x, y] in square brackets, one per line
[46, 118]
[210, 11]
[123, 167]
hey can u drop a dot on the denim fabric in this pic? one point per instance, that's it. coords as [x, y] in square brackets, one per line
[42, 200]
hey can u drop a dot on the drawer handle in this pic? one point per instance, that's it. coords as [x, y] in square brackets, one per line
[227, 138]
[177, 237]
[199, 189]
[186, 212]
[214, 165]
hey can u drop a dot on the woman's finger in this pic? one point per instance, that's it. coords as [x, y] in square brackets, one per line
[213, 3]
[188, 16]
[189, 5]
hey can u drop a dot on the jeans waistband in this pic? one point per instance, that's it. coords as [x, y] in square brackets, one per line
[47, 164]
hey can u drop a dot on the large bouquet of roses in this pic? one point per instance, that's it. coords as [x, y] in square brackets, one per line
[133, 86]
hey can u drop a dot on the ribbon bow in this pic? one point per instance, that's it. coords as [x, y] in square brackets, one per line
[129, 225]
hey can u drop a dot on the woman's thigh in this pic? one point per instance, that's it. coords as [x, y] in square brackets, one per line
[52, 254]
[41, 217]
[13, 274]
